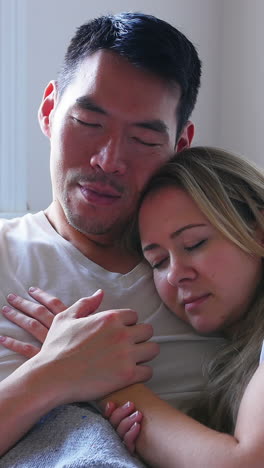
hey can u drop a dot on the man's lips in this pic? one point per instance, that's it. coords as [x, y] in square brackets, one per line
[99, 194]
[191, 303]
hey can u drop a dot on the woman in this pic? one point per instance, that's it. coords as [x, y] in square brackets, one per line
[202, 230]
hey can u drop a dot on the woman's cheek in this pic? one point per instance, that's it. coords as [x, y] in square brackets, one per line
[162, 286]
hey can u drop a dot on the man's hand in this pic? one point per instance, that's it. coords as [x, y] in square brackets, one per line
[35, 318]
[84, 357]
[93, 354]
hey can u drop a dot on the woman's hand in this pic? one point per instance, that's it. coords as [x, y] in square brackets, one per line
[126, 421]
[35, 318]
[84, 357]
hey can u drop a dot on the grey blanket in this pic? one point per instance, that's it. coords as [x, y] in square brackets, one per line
[74, 436]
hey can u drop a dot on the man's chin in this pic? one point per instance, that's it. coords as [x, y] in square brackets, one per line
[94, 228]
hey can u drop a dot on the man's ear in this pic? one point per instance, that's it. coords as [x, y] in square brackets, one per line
[47, 107]
[186, 137]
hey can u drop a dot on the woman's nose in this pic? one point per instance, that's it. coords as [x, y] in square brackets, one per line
[180, 270]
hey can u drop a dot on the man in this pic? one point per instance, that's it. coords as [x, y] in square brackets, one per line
[118, 111]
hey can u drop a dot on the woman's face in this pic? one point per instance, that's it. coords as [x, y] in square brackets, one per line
[204, 278]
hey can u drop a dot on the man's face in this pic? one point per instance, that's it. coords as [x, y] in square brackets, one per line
[111, 129]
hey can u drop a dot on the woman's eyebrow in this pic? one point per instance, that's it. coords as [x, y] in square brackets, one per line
[184, 228]
[174, 234]
[150, 247]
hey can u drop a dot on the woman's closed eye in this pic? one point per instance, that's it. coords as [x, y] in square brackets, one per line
[159, 263]
[195, 246]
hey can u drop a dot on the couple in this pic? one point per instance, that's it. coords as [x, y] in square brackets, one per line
[108, 136]
[201, 228]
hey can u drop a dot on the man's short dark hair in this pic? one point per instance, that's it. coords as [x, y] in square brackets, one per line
[148, 43]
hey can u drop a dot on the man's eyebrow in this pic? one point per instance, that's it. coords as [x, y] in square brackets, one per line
[172, 236]
[87, 103]
[155, 125]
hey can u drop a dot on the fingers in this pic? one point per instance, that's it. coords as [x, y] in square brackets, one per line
[53, 304]
[37, 311]
[86, 305]
[25, 349]
[142, 332]
[35, 318]
[120, 413]
[131, 436]
[109, 408]
[129, 316]
[127, 423]
[31, 325]
[146, 351]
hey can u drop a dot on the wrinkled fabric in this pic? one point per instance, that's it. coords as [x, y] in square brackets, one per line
[71, 436]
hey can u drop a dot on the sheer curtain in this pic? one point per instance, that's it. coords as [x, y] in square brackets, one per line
[13, 101]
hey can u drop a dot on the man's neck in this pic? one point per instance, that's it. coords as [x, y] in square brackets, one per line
[111, 256]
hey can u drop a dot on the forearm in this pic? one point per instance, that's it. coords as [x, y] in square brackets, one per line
[83, 357]
[169, 437]
[25, 396]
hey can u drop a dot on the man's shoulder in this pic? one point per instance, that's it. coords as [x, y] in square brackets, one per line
[17, 223]
[22, 229]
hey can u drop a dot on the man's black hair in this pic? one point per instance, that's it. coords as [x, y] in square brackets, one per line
[148, 43]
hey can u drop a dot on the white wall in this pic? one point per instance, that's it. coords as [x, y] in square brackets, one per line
[241, 94]
[228, 109]
[50, 26]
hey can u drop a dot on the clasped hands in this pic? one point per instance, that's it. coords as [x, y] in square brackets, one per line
[89, 355]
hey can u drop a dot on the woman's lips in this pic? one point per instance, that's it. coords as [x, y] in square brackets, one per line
[195, 302]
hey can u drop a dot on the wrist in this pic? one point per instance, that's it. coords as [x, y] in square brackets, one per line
[38, 386]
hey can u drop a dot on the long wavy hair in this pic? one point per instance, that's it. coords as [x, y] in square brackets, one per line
[229, 190]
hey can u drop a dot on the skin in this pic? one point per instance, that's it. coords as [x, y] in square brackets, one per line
[195, 270]
[107, 137]
[204, 278]
[192, 259]
[111, 129]
[63, 370]
[106, 142]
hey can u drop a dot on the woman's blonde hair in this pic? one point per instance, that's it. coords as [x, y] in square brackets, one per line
[229, 190]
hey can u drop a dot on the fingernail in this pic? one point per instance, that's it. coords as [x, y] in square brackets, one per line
[127, 404]
[11, 297]
[134, 426]
[32, 289]
[6, 309]
[134, 415]
[97, 292]
[2, 338]
[107, 406]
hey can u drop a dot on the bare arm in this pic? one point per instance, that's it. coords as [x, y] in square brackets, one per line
[83, 358]
[168, 436]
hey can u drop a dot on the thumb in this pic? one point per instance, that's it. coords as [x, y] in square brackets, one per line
[88, 305]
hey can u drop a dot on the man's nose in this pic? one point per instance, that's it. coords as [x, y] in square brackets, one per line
[110, 157]
[180, 271]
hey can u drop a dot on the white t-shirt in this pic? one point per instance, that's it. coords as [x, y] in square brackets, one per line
[32, 253]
